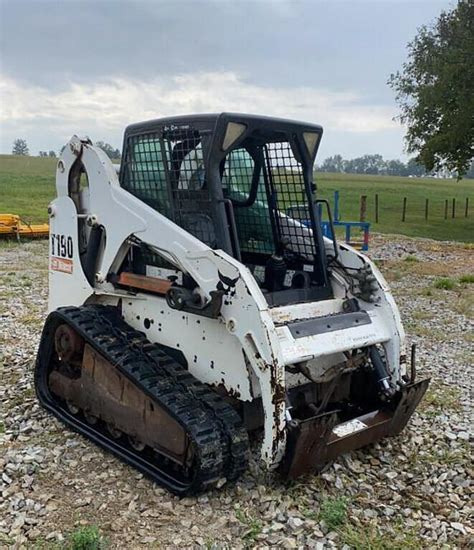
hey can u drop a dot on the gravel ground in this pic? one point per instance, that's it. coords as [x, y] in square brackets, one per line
[413, 491]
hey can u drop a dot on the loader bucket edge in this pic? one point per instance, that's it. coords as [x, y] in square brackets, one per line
[315, 441]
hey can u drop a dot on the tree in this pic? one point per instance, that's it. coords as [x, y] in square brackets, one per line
[367, 164]
[414, 168]
[20, 147]
[372, 164]
[108, 150]
[435, 91]
[395, 168]
[352, 166]
[333, 164]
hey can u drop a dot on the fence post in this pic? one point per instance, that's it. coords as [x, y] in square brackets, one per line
[426, 208]
[348, 233]
[453, 213]
[336, 206]
[446, 209]
[376, 208]
[466, 211]
[404, 210]
[363, 207]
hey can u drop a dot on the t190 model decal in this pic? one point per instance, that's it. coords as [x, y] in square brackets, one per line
[61, 253]
[61, 246]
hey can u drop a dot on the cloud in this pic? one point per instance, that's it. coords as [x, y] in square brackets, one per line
[103, 108]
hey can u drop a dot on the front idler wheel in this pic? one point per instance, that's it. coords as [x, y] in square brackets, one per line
[90, 418]
[114, 432]
[67, 342]
[73, 409]
[136, 443]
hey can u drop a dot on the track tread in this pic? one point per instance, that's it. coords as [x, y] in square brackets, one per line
[220, 442]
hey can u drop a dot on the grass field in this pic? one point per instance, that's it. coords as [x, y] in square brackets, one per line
[392, 190]
[27, 186]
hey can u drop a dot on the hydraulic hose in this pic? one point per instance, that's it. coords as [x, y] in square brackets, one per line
[381, 374]
[92, 254]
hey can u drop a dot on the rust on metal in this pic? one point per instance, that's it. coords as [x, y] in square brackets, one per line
[305, 442]
[413, 363]
[142, 282]
[102, 392]
[411, 396]
[317, 440]
[68, 343]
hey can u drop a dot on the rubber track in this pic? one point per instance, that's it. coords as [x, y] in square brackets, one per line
[228, 420]
[220, 442]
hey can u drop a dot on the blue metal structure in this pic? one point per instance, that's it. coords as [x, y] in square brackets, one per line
[364, 227]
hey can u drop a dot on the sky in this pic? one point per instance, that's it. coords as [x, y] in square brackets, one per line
[91, 68]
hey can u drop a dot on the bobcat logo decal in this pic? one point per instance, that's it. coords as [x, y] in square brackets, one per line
[226, 284]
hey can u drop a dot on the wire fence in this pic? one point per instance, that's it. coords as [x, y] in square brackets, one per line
[404, 209]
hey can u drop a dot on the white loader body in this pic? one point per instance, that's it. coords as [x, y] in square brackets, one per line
[246, 349]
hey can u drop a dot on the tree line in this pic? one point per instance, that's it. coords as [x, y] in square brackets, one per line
[20, 147]
[372, 164]
[377, 165]
[366, 164]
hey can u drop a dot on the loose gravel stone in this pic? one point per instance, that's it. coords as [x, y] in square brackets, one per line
[417, 485]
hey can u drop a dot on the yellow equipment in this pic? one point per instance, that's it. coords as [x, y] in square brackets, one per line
[12, 225]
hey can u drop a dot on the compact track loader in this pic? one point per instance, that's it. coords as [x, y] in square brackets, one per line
[195, 304]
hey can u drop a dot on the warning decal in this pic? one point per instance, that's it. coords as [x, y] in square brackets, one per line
[61, 264]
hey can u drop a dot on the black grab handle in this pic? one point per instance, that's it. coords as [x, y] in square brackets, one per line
[333, 232]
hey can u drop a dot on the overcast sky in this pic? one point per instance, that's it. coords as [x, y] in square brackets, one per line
[91, 68]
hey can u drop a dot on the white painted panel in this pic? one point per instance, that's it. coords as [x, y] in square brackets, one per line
[213, 354]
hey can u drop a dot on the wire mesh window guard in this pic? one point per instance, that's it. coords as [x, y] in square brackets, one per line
[166, 171]
[272, 210]
[145, 172]
[243, 183]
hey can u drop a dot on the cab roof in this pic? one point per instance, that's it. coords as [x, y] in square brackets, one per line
[212, 121]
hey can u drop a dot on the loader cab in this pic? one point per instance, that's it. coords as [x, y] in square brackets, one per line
[239, 183]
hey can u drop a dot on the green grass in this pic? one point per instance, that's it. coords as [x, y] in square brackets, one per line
[444, 283]
[333, 512]
[369, 538]
[86, 538]
[82, 538]
[27, 186]
[253, 526]
[440, 398]
[391, 191]
[468, 279]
